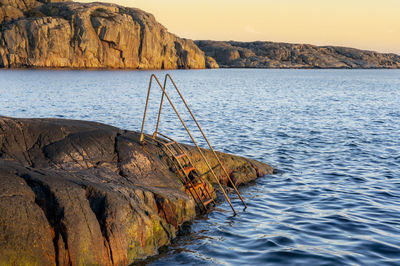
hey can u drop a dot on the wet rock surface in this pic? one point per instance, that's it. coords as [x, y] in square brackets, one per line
[57, 34]
[78, 192]
[284, 55]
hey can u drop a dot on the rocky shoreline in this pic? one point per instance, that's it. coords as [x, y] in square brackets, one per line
[64, 34]
[259, 54]
[68, 35]
[78, 192]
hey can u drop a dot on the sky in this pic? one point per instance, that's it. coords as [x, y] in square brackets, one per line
[364, 24]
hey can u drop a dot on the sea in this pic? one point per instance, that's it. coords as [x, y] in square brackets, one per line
[333, 137]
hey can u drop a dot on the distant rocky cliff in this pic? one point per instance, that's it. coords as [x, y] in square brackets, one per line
[63, 34]
[284, 55]
[46, 33]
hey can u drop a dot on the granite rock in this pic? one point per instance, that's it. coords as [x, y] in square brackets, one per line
[54, 34]
[85, 193]
[233, 54]
[211, 63]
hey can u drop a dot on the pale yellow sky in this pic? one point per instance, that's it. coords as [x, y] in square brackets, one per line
[364, 24]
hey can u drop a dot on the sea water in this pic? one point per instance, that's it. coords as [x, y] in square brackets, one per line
[332, 135]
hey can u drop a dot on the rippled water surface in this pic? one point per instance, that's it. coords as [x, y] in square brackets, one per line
[334, 136]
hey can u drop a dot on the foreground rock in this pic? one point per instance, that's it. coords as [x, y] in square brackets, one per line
[96, 35]
[82, 193]
[284, 55]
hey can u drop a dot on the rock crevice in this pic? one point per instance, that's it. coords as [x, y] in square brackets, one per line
[46, 200]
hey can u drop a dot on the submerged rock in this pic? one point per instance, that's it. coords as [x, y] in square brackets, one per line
[58, 34]
[78, 193]
[285, 55]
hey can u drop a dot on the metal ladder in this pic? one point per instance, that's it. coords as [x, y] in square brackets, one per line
[189, 175]
[196, 192]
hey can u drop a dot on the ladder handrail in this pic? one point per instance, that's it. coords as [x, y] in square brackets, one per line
[204, 136]
[153, 76]
[145, 108]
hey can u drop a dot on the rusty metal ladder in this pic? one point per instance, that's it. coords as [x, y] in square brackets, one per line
[196, 194]
[189, 175]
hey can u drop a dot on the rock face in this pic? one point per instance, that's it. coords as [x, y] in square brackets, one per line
[64, 34]
[96, 35]
[84, 193]
[284, 55]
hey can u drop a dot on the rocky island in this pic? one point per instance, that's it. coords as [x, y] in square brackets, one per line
[285, 55]
[56, 34]
[64, 34]
[84, 193]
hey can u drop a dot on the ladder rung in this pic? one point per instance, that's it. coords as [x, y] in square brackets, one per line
[170, 143]
[188, 169]
[178, 156]
[195, 186]
[207, 202]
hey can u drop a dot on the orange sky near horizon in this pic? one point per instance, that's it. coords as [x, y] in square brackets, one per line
[364, 24]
